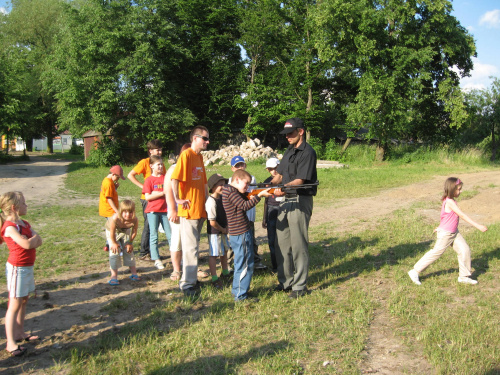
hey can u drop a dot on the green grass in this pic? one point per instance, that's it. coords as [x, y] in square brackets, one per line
[456, 327]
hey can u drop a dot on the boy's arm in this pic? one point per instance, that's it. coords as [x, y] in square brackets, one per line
[26, 243]
[112, 204]
[217, 226]
[135, 181]
[238, 201]
[154, 195]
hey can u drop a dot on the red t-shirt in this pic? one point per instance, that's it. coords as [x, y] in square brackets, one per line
[151, 184]
[18, 256]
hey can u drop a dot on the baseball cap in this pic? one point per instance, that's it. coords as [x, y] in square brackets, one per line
[272, 163]
[292, 124]
[237, 159]
[212, 181]
[116, 169]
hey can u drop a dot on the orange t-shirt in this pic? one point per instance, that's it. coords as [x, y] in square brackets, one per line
[190, 171]
[108, 190]
[144, 168]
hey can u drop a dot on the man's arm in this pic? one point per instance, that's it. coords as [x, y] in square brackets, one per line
[175, 190]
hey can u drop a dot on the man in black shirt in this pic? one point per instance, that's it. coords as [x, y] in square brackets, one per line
[297, 167]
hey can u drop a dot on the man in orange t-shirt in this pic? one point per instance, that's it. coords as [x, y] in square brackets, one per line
[143, 167]
[189, 184]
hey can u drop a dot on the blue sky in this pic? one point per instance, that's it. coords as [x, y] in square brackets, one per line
[482, 19]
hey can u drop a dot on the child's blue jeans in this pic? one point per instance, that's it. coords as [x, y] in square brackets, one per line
[242, 246]
[154, 220]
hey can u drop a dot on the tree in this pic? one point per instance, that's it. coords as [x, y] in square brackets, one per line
[404, 54]
[484, 116]
[28, 33]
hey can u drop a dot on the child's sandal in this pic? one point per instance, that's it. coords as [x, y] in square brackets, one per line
[175, 276]
[135, 277]
[202, 274]
[113, 282]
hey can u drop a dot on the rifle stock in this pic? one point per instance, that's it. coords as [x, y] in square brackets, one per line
[262, 187]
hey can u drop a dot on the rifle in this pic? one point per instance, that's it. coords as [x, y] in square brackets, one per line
[262, 187]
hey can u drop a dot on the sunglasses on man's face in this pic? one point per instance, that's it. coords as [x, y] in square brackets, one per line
[206, 139]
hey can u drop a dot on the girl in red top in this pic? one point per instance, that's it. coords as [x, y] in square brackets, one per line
[22, 242]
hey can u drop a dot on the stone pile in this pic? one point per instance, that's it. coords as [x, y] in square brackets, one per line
[251, 150]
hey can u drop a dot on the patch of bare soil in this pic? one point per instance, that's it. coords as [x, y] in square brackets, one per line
[73, 308]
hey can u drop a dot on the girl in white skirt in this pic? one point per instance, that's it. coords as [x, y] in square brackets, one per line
[22, 242]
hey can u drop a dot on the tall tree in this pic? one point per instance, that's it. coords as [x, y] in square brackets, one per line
[404, 55]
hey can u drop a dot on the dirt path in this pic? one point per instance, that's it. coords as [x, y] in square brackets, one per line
[71, 308]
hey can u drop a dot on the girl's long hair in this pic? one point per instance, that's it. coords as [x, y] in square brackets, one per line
[450, 187]
[7, 200]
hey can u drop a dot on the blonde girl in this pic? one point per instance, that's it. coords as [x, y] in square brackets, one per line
[121, 230]
[21, 241]
[448, 235]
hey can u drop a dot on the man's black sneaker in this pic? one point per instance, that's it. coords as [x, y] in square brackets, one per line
[191, 292]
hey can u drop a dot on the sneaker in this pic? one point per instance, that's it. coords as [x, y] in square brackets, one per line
[191, 292]
[159, 264]
[414, 277]
[146, 257]
[294, 294]
[259, 266]
[467, 280]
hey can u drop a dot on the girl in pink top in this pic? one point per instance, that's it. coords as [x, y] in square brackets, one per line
[447, 235]
[22, 242]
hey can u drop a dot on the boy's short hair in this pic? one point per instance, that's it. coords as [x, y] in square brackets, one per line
[241, 175]
[197, 130]
[155, 143]
[155, 159]
[126, 205]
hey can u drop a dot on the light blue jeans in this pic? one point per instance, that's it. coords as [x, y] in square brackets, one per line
[242, 246]
[154, 220]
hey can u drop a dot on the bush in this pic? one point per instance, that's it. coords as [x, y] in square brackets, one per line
[317, 145]
[107, 153]
[76, 150]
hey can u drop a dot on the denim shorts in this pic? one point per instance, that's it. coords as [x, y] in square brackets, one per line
[218, 245]
[20, 280]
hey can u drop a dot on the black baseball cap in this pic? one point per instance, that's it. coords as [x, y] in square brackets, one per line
[292, 124]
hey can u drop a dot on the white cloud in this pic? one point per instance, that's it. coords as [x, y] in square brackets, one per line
[491, 19]
[3, 10]
[479, 76]
[470, 29]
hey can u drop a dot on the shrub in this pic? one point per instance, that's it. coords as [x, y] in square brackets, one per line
[107, 153]
[317, 145]
[76, 150]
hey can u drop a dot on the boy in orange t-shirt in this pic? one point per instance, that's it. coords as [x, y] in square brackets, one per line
[108, 197]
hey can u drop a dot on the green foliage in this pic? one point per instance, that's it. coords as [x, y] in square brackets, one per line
[76, 150]
[106, 154]
[317, 145]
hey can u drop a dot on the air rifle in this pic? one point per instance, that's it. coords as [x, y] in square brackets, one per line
[262, 187]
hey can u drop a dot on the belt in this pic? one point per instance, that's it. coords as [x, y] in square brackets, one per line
[291, 195]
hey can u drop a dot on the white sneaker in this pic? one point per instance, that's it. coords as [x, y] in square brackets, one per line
[414, 277]
[159, 264]
[467, 280]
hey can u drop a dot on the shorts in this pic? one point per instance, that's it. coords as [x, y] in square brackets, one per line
[115, 260]
[20, 280]
[175, 239]
[218, 245]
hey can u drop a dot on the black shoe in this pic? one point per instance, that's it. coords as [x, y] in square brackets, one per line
[294, 294]
[191, 292]
[281, 288]
[145, 257]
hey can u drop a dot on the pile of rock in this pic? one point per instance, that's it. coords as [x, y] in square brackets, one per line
[251, 150]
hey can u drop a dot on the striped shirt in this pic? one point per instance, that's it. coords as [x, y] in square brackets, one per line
[236, 205]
